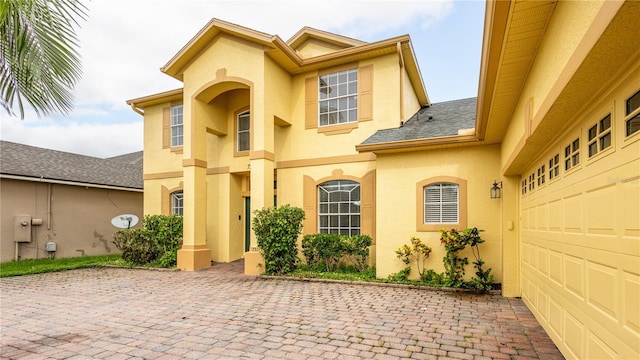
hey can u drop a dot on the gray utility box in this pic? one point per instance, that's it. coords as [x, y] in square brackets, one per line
[22, 228]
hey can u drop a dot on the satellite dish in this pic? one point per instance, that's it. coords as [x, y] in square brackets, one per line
[124, 221]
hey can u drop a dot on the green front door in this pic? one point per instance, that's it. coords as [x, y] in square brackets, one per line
[247, 223]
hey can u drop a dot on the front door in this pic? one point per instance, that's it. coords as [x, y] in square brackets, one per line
[247, 223]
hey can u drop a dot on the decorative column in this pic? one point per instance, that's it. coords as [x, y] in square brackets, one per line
[194, 254]
[262, 161]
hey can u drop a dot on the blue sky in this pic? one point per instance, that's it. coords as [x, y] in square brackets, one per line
[123, 44]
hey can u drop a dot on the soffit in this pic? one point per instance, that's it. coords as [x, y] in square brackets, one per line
[525, 27]
[615, 52]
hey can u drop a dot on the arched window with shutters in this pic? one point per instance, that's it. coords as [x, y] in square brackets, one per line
[339, 207]
[441, 203]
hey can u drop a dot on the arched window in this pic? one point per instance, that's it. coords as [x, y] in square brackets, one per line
[176, 202]
[339, 207]
[441, 203]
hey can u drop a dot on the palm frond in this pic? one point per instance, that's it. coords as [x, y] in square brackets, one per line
[39, 60]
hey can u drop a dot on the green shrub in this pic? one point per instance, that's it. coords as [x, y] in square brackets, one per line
[454, 242]
[158, 240]
[357, 251]
[418, 251]
[332, 250]
[277, 230]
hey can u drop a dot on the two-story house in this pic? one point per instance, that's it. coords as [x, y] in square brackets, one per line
[546, 159]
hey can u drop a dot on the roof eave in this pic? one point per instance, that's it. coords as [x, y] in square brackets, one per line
[495, 22]
[416, 144]
[70, 182]
[154, 99]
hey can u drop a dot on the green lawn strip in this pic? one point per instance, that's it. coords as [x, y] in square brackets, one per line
[38, 266]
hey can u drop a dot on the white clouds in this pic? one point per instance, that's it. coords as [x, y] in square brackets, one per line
[100, 140]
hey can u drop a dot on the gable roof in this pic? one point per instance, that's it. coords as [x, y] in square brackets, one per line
[307, 33]
[285, 55]
[38, 164]
[431, 125]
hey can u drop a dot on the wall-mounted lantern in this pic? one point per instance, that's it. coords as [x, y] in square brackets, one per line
[496, 190]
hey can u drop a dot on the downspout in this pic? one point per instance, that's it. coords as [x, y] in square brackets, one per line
[136, 109]
[49, 206]
[401, 92]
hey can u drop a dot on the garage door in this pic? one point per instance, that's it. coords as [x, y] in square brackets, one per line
[580, 231]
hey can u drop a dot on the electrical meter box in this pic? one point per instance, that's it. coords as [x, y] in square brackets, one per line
[50, 246]
[22, 229]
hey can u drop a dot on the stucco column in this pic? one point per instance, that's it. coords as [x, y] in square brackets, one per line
[194, 255]
[262, 164]
[510, 237]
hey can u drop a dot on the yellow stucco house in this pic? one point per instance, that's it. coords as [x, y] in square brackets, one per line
[345, 130]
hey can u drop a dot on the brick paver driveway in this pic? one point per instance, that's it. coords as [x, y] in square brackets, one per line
[221, 314]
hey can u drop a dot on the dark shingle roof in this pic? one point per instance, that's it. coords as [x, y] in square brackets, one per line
[437, 120]
[134, 158]
[30, 161]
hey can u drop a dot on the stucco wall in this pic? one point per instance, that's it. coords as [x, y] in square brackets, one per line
[397, 176]
[80, 218]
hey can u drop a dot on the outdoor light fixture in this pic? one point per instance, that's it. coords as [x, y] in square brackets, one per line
[496, 190]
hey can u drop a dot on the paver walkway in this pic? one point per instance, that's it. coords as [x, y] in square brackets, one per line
[114, 313]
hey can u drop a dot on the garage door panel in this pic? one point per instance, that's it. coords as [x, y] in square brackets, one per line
[602, 285]
[631, 197]
[631, 289]
[601, 211]
[572, 214]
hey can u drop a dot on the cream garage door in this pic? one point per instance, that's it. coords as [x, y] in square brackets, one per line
[580, 238]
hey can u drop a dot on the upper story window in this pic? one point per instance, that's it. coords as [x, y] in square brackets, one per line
[339, 207]
[338, 97]
[176, 126]
[632, 113]
[243, 135]
[176, 202]
[600, 135]
[572, 154]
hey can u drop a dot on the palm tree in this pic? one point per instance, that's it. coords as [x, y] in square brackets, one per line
[39, 61]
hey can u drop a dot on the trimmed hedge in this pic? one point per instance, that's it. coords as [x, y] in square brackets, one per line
[331, 250]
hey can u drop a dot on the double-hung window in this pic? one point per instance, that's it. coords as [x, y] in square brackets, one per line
[243, 127]
[338, 97]
[176, 126]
